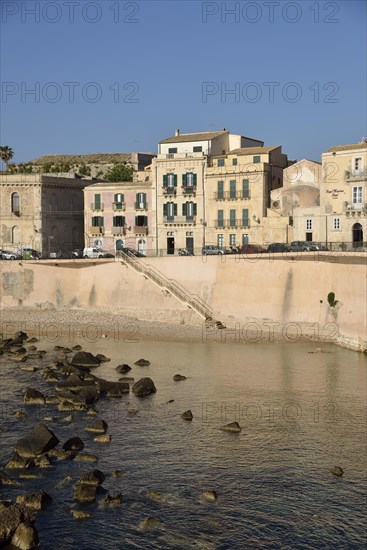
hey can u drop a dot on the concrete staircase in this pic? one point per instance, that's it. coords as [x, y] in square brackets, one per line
[167, 285]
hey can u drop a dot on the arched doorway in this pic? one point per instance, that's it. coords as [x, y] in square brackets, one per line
[141, 246]
[357, 235]
[119, 244]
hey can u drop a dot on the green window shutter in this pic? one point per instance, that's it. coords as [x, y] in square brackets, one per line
[245, 217]
[97, 202]
[220, 187]
[232, 189]
[175, 209]
[165, 206]
[100, 221]
[232, 217]
[256, 159]
[245, 189]
[114, 223]
[175, 180]
[165, 180]
[115, 198]
[144, 197]
[184, 179]
[220, 214]
[195, 209]
[195, 179]
[184, 209]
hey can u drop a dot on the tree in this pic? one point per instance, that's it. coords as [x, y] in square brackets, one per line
[120, 172]
[6, 154]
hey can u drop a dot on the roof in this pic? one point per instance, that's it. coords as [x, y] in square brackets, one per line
[253, 150]
[108, 158]
[350, 147]
[203, 136]
[121, 184]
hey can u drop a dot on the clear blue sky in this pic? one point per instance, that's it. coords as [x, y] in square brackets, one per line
[163, 53]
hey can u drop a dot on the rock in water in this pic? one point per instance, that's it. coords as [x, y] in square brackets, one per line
[337, 471]
[105, 438]
[80, 514]
[210, 496]
[73, 444]
[113, 499]
[35, 501]
[33, 397]
[85, 359]
[187, 415]
[232, 427]
[144, 387]
[102, 358]
[10, 519]
[98, 427]
[94, 477]
[25, 537]
[179, 377]
[142, 363]
[123, 369]
[85, 493]
[38, 441]
[149, 523]
[7, 480]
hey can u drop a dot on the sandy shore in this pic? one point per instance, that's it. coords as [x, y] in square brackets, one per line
[77, 326]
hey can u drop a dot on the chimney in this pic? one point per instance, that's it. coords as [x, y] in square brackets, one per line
[224, 130]
[177, 132]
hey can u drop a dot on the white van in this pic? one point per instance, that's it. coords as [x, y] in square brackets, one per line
[93, 253]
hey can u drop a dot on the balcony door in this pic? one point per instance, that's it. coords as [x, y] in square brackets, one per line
[357, 235]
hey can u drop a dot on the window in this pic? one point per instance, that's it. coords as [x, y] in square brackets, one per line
[172, 150]
[357, 166]
[189, 210]
[220, 240]
[309, 224]
[234, 162]
[232, 189]
[245, 239]
[336, 223]
[170, 180]
[97, 202]
[15, 234]
[97, 221]
[189, 179]
[245, 189]
[232, 218]
[220, 162]
[357, 195]
[118, 200]
[15, 203]
[118, 221]
[256, 159]
[220, 192]
[232, 239]
[170, 210]
[245, 218]
[141, 201]
[141, 221]
[197, 149]
[220, 218]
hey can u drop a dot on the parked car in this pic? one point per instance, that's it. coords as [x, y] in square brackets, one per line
[278, 247]
[185, 252]
[251, 249]
[6, 255]
[211, 249]
[90, 252]
[56, 255]
[301, 246]
[318, 246]
[77, 253]
[131, 251]
[28, 253]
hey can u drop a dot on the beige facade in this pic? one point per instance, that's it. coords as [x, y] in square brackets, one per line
[238, 194]
[42, 212]
[181, 174]
[120, 214]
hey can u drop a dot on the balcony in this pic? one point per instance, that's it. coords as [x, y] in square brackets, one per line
[96, 230]
[189, 190]
[231, 224]
[97, 207]
[355, 209]
[169, 190]
[355, 175]
[141, 230]
[231, 196]
[118, 230]
[179, 220]
[182, 155]
[119, 206]
[141, 206]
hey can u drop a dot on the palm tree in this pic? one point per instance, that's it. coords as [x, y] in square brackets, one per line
[6, 154]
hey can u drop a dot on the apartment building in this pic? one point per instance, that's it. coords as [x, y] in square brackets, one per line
[119, 215]
[180, 176]
[238, 185]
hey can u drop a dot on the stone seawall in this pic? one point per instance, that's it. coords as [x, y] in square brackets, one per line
[268, 295]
